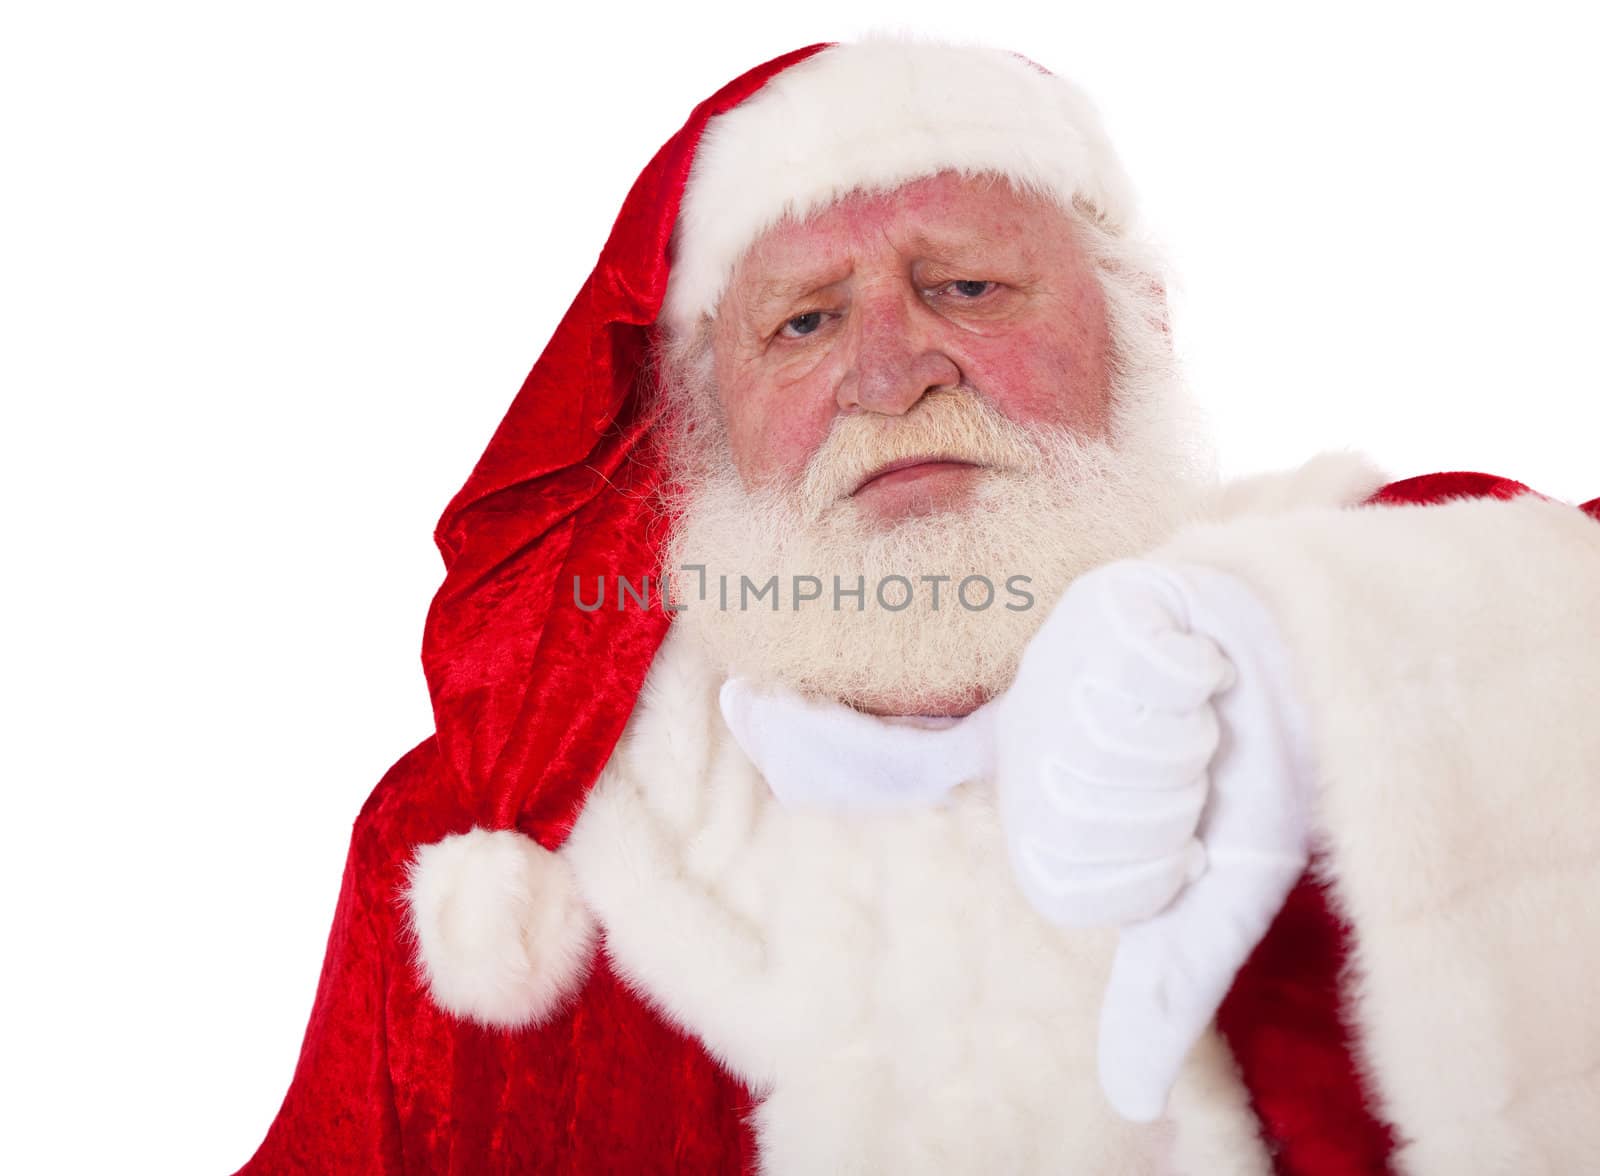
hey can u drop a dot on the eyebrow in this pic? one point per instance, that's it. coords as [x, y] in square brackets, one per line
[776, 291]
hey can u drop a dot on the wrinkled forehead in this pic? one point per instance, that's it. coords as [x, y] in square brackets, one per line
[945, 210]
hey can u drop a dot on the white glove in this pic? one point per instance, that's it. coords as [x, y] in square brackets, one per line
[1104, 745]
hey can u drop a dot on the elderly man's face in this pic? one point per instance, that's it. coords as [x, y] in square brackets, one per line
[881, 299]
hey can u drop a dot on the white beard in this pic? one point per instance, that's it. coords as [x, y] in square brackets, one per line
[1056, 506]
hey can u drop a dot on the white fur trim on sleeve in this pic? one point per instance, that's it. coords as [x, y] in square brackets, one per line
[1450, 659]
[876, 114]
[502, 936]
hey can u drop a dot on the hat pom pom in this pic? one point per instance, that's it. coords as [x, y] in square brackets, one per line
[502, 936]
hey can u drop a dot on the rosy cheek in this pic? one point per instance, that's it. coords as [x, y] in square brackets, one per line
[798, 407]
[793, 442]
[775, 428]
[1010, 375]
[1038, 379]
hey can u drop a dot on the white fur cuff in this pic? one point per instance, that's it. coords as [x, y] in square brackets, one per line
[1448, 657]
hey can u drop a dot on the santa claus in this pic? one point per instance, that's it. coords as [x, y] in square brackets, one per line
[870, 739]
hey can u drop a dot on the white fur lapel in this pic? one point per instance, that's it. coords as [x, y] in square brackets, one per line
[1450, 657]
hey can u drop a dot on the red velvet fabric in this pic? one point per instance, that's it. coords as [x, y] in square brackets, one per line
[530, 694]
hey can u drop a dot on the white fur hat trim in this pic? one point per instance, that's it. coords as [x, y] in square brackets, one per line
[876, 114]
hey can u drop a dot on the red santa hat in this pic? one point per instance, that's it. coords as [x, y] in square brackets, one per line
[530, 693]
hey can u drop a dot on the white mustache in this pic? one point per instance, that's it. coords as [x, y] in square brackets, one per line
[955, 425]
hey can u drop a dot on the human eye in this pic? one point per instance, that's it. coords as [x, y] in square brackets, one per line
[969, 289]
[801, 325]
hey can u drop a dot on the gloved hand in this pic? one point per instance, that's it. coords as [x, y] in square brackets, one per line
[1154, 774]
[1103, 744]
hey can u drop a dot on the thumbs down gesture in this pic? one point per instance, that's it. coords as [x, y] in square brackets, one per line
[1155, 775]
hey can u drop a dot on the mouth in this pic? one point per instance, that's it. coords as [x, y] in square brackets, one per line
[911, 469]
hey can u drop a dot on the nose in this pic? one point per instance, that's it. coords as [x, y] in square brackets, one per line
[898, 356]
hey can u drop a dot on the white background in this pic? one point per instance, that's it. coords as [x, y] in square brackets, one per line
[270, 275]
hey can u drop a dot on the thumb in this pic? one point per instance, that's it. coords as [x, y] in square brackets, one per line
[1172, 971]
